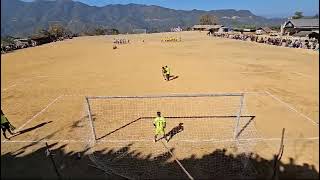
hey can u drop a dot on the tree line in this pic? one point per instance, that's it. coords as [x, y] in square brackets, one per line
[55, 32]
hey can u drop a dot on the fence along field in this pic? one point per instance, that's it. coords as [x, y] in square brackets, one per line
[260, 131]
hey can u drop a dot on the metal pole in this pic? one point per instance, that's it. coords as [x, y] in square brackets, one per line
[278, 157]
[91, 121]
[238, 117]
[52, 160]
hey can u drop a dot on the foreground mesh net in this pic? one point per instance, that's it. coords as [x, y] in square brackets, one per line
[213, 125]
[206, 148]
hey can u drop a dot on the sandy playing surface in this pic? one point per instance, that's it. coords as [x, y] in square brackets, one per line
[36, 84]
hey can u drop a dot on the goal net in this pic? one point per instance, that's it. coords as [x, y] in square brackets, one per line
[211, 122]
[139, 31]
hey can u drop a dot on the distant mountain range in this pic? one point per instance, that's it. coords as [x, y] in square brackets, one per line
[21, 18]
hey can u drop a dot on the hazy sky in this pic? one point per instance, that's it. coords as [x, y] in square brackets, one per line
[268, 8]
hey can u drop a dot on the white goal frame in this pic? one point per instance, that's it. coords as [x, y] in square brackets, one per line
[238, 115]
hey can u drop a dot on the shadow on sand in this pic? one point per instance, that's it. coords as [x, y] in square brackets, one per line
[217, 164]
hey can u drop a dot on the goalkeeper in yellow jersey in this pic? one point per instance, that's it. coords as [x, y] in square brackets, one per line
[167, 71]
[160, 125]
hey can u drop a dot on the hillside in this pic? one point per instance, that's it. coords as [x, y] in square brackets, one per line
[23, 18]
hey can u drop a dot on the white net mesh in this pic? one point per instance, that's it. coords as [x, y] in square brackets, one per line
[204, 117]
[206, 147]
[208, 121]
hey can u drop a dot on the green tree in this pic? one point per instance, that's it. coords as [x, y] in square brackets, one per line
[57, 30]
[297, 15]
[234, 23]
[115, 31]
[249, 26]
[99, 31]
[7, 40]
[189, 28]
[43, 32]
[208, 19]
[277, 28]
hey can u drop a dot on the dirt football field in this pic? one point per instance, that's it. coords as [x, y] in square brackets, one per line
[43, 92]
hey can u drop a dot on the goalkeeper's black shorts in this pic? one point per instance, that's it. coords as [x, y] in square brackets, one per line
[5, 126]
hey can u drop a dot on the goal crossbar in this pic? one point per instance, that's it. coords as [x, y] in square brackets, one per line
[237, 116]
[114, 109]
[166, 96]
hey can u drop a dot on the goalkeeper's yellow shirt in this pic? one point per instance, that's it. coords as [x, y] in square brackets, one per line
[160, 122]
[167, 70]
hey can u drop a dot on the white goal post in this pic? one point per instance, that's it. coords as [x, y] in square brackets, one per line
[210, 121]
[111, 109]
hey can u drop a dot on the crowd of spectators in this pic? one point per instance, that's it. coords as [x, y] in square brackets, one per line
[121, 41]
[285, 41]
[28, 42]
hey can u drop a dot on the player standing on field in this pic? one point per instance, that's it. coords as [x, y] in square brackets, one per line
[167, 73]
[5, 125]
[164, 72]
[160, 125]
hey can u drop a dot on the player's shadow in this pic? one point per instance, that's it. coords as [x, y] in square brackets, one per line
[126, 162]
[174, 131]
[173, 78]
[245, 126]
[122, 127]
[31, 129]
[79, 123]
[180, 117]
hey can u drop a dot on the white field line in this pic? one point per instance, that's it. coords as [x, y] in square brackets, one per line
[151, 140]
[21, 82]
[254, 92]
[293, 109]
[263, 72]
[184, 169]
[74, 95]
[42, 141]
[301, 74]
[40, 112]
[207, 140]
[251, 139]
[260, 72]
[5, 89]
[247, 92]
